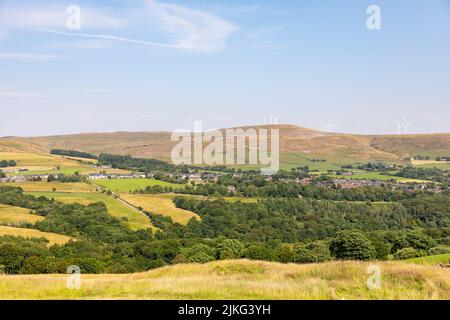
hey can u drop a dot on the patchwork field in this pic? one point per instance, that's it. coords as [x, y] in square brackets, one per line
[129, 185]
[160, 204]
[43, 186]
[366, 175]
[443, 165]
[431, 260]
[52, 238]
[131, 217]
[242, 279]
[14, 216]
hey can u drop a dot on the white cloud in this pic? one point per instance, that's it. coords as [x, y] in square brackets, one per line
[27, 56]
[192, 29]
[55, 17]
[20, 94]
[186, 28]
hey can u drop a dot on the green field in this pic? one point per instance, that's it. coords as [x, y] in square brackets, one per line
[129, 185]
[242, 279]
[431, 260]
[442, 166]
[131, 217]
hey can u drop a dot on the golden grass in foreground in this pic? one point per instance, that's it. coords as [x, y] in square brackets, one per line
[10, 215]
[242, 279]
[159, 204]
[52, 238]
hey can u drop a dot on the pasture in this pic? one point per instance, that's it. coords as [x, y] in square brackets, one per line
[131, 217]
[43, 186]
[14, 216]
[242, 279]
[431, 260]
[129, 185]
[160, 204]
[52, 238]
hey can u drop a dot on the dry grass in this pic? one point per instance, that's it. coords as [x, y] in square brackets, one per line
[242, 279]
[159, 204]
[52, 238]
[43, 186]
[14, 216]
[24, 159]
[131, 217]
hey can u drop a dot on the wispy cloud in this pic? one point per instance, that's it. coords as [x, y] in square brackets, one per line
[192, 29]
[183, 27]
[27, 56]
[55, 16]
[15, 94]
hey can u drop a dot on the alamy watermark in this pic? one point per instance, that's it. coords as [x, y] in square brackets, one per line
[374, 280]
[374, 20]
[73, 281]
[73, 21]
[259, 147]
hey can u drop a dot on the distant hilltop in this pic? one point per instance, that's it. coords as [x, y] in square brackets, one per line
[297, 144]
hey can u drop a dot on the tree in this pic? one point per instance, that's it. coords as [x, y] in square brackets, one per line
[303, 255]
[259, 252]
[406, 253]
[34, 265]
[352, 245]
[199, 253]
[11, 258]
[284, 254]
[229, 249]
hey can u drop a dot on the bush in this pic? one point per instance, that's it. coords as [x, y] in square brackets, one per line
[199, 253]
[229, 249]
[284, 254]
[303, 255]
[438, 250]
[352, 245]
[259, 252]
[406, 253]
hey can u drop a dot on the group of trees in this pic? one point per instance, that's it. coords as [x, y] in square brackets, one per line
[73, 153]
[136, 164]
[7, 163]
[76, 177]
[289, 223]
[432, 174]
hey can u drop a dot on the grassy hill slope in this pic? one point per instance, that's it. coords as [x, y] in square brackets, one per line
[242, 279]
[297, 145]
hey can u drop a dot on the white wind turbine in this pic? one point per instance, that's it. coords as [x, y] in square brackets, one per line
[330, 125]
[273, 118]
[403, 126]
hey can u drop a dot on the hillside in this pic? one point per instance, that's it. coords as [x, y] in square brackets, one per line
[297, 145]
[242, 279]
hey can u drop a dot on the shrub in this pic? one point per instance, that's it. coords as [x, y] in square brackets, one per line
[352, 245]
[199, 253]
[406, 253]
[303, 255]
[229, 249]
[438, 250]
[259, 252]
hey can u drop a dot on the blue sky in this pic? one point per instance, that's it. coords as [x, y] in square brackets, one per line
[157, 65]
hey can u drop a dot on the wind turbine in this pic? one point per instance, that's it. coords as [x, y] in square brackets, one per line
[403, 126]
[273, 118]
[331, 125]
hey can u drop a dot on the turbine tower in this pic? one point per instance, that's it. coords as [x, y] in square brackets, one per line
[330, 125]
